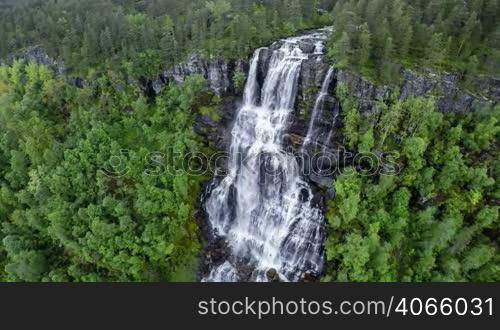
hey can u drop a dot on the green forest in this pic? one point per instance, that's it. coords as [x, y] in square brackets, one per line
[141, 37]
[437, 220]
[66, 217]
[378, 37]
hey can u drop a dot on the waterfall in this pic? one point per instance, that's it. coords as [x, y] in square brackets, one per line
[330, 134]
[263, 207]
[318, 107]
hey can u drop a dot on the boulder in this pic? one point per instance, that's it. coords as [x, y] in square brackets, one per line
[272, 275]
[310, 277]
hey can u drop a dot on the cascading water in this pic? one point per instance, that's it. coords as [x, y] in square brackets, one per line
[318, 107]
[263, 207]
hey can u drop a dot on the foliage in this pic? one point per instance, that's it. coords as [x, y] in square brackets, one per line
[92, 184]
[377, 37]
[239, 79]
[85, 194]
[151, 34]
[436, 219]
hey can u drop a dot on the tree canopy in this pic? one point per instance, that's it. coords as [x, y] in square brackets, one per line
[83, 194]
[434, 216]
[160, 32]
[378, 37]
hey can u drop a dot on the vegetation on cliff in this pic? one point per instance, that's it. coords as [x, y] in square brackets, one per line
[435, 217]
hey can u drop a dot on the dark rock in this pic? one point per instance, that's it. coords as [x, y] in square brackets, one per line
[216, 250]
[310, 277]
[272, 275]
[245, 272]
[313, 72]
[296, 140]
[218, 72]
[264, 58]
[307, 46]
[366, 92]
[219, 251]
[218, 132]
[37, 54]
[147, 87]
[321, 181]
[77, 82]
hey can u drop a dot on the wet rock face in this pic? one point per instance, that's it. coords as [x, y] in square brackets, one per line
[264, 58]
[272, 275]
[310, 277]
[216, 252]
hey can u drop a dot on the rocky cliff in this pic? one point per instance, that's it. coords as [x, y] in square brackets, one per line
[38, 55]
[218, 72]
[317, 117]
[447, 87]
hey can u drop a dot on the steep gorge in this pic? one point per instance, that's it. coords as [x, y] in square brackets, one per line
[249, 225]
[263, 208]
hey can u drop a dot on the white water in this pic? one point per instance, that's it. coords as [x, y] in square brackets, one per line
[330, 134]
[263, 207]
[318, 107]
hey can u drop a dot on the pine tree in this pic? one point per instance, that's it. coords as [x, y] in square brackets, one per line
[294, 14]
[406, 35]
[364, 51]
[342, 50]
[465, 38]
[168, 44]
[436, 50]
[106, 42]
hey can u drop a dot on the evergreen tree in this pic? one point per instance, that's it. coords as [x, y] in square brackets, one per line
[436, 50]
[342, 51]
[364, 46]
